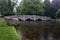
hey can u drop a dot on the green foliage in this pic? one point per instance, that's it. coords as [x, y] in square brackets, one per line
[32, 7]
[58, 14]
[6, 7]
[7, 32]
[47, 7]
[3, 23]
[16, 24]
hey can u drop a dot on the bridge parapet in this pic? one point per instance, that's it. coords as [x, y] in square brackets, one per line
[25, 17]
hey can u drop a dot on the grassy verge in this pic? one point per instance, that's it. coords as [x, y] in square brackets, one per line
[7, 32]
[3, 23]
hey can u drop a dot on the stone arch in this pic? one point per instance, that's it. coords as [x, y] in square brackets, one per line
[20, 20]
[38, 19]
[29, 20]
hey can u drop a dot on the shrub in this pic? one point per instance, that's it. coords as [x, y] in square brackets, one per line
[58, 14]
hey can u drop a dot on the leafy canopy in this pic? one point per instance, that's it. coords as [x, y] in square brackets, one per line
[32, 7]
[6, 7]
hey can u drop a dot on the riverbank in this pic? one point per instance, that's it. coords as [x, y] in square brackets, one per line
[7, 32]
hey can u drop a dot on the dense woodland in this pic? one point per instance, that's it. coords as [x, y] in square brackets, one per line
[31, 7]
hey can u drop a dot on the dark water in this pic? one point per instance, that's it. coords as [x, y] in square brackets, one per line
[39, 30]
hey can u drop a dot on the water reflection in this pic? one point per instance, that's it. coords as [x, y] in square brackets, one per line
[39, 30]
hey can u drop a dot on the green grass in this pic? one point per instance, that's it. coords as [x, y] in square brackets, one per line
[7, 32]
[3, 23]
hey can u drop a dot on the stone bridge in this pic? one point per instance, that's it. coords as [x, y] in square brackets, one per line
[28, 17]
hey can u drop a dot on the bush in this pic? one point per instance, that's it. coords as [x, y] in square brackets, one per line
[16, 24]
[7, 32]
[3, 23]
[58, 14]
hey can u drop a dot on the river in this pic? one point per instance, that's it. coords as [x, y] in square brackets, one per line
[39, 30]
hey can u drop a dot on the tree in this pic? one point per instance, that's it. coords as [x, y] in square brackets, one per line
[32, 7]
[58, 14]
[55, 6]
[6, 7]
[47, 7]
